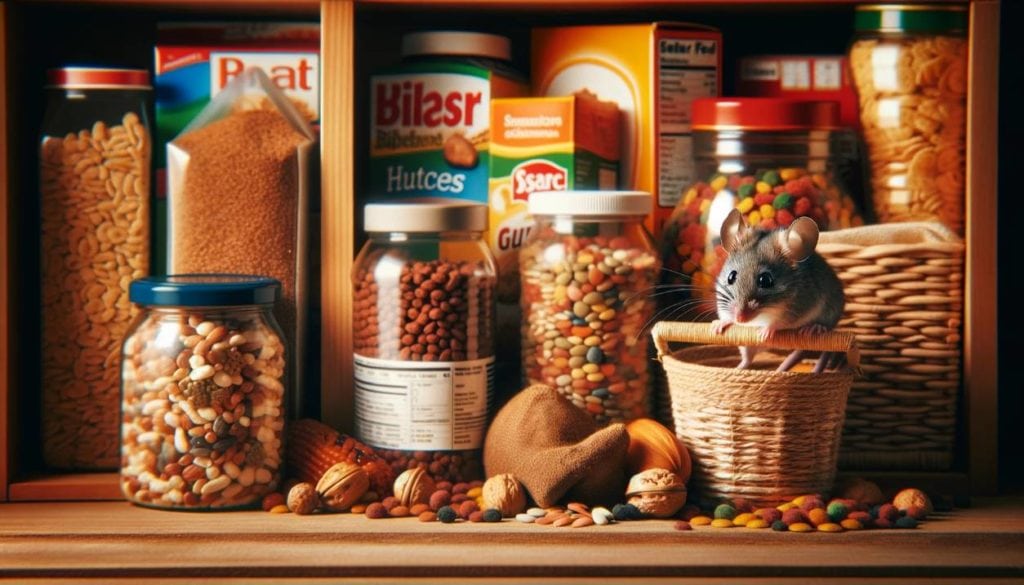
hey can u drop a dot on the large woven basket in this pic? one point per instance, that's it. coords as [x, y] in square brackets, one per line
[904, 291]
[756, 434]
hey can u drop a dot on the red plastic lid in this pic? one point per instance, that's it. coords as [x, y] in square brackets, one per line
[98, 78]
[763, 114]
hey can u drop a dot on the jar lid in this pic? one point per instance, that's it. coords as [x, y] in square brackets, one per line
[763, 114]
[204, 290]
[424, 215]
[98, 78]
[470, 44]
[927, 18]
[590, 203]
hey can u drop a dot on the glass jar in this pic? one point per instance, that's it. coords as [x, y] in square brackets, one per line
[203, 374]
[94, 164]
[774, 160]
[423, 335]
[588, 273]
[909, 66]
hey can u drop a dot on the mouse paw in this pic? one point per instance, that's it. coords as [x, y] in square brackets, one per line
[813, 329]
[766, 334]
[718, 326]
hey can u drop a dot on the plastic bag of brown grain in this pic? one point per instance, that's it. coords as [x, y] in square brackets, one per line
[238, 180]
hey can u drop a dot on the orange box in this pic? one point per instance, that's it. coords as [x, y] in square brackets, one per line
[653, 72]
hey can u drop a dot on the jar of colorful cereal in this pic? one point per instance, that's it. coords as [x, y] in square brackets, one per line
[588, 274]
[774, 160]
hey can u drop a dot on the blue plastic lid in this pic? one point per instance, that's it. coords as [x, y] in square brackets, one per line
[204, 290]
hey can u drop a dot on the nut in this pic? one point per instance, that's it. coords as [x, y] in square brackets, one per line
[414, 486]
[910, 498]
[504, 493]
[342, 485]
[302, 498]
[656, 492]
[459, 152]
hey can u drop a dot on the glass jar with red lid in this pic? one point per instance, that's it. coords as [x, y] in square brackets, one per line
[774, 160]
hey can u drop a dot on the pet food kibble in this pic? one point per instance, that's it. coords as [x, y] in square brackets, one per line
[818, 516]
[779, 526]
[801, 527]
[725, 511]
[526, 518]
[769, 515]
[423, 311]
[94, 234]
[916, 512]
[906, 522]
[447, 514]
[722, 523]
[682, 525]
[439, 498]
[851, 524]
[476, 516]
[418, 509]
[837, 511]
[398, 512]
[699, 520]
[757, 523]
[427, 516]
[586, 277]
[888, 512]
[742, 519]
[376, 511]
[200, 415]
[466, 508]
[491, 515]
[358, 508]
[794, 516]
[829, 527]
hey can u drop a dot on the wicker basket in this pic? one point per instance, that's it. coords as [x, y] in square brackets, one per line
[756, 434]
[904, 291]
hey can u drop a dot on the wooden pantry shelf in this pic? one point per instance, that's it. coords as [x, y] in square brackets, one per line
[103, 540]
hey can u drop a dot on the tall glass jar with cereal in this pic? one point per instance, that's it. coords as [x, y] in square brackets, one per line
[94, 162]
[204, 372]
[588, 274]
[423, 336]
[909, 65]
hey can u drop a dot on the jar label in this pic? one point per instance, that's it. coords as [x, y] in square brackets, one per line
[423, 406]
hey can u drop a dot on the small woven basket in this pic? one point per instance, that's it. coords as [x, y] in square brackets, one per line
[904, 291]
[756, 434]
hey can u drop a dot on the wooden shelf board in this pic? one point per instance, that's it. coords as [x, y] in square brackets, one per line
[66, 487]
[106, 539]
[309, 7]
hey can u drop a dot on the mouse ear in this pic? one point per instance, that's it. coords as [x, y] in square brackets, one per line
[732, 230]
[799, 241]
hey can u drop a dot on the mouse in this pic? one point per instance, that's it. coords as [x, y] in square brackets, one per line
[774, 279]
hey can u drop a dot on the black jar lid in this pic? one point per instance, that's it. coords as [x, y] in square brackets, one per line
[204, 290]
[913, 18]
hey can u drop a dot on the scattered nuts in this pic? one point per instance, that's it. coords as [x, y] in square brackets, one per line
[342, 485]
[504, 493]
[414, 486]
[656, 492]
[302, 498]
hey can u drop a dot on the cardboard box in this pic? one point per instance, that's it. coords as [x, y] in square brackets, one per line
[546, 144]
[194, 61]
[806, 77]
[653, 72]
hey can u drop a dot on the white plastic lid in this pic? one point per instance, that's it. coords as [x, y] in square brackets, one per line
[424, 215]
[590, 203]
[456, 43]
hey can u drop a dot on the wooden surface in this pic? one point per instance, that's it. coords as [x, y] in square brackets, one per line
[66, 487]
[981, 323]
[103, 540]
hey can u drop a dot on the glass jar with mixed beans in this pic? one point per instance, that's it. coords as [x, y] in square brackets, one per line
[423, 335]
[773, 159]
[203, 392]
[588, 274]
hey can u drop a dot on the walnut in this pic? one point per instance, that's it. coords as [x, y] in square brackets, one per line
[913, 498]
[342, 485]
[656, 492]
[413, 487]
[504, 493]
[302, 498]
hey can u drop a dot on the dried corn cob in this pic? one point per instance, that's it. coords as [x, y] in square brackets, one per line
[314, 447]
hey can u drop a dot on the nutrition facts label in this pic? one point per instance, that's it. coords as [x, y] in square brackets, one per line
[428, 406]
[687, 70]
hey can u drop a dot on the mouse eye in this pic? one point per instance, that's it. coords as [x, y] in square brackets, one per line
[765, 280]
[731, 278]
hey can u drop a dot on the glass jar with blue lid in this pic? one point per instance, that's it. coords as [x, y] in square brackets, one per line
[203, 378]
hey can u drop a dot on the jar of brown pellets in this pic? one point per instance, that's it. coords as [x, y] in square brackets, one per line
[423, 318]
[94, 164]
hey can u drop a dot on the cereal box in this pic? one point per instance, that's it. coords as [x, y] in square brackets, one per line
[652, 71]
[809, 77]
[546, 144]
[195, 61]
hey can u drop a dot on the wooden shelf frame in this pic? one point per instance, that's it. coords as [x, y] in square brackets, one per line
[339, 151]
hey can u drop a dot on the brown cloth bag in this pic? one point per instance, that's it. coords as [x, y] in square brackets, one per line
[556, 450]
